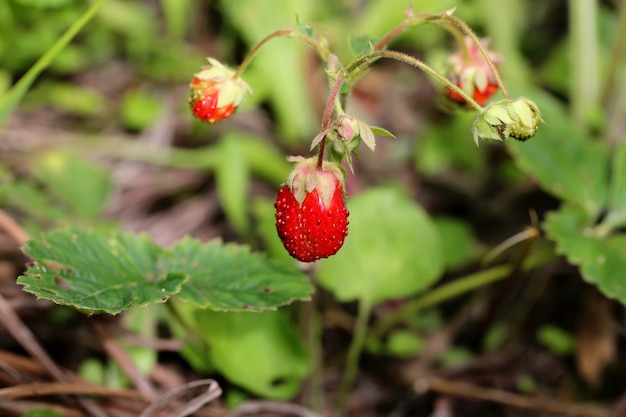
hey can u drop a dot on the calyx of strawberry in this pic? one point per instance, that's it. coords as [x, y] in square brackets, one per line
[518, 119]
[306, 177]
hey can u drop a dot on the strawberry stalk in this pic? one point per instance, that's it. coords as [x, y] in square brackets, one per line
[399, 56]
[451, 23]
[327, 117]
[409, 22]
[290, 33]
[358, 64]
[469, 32]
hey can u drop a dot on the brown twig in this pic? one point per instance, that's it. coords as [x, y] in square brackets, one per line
[21, 363]
[25, 337]
[13, 229]
[20, 332]
[120, 356]
[212, 392]
[23, 407]
[63, 388]
[256, 407]
[473, 392]
[169, 345]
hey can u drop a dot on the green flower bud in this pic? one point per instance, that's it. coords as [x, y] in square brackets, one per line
[517, 118]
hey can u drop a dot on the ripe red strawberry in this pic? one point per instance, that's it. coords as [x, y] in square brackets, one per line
[215, 92]
[480, 96]
[317, 226]
[470, 71]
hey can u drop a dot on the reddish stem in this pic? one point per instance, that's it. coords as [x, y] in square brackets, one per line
[327, 114]
[395, 32]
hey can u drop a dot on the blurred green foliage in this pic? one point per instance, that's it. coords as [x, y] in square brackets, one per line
[395, 249]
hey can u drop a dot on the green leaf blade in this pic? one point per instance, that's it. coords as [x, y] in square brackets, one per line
[602, 260]
[99, 273]
[276, 361]
[86, 270]
[385, 256]
[231, 278]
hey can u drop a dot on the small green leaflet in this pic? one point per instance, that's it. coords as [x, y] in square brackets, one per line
[602, 259]
[303, 28]
[100, 273]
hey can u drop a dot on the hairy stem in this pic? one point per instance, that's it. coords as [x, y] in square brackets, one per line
[393, 33]
[413, 21]
[399, 56]
[469, 32]
[322, 52]
[327, 116]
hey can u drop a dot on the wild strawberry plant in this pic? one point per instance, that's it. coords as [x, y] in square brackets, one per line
[380, 244]
[311, 218]
[112, 273]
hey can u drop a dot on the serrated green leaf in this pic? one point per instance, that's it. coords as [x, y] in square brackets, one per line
[96, 273]
[230, 278]
[260, 352]
[563, 160]
[232, 177]
[82, 185]
[382, 132]
[602, 260]
[392, 250]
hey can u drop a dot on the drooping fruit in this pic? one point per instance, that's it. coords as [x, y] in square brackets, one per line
[215, 92]
[470, 71]
[311, 215]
